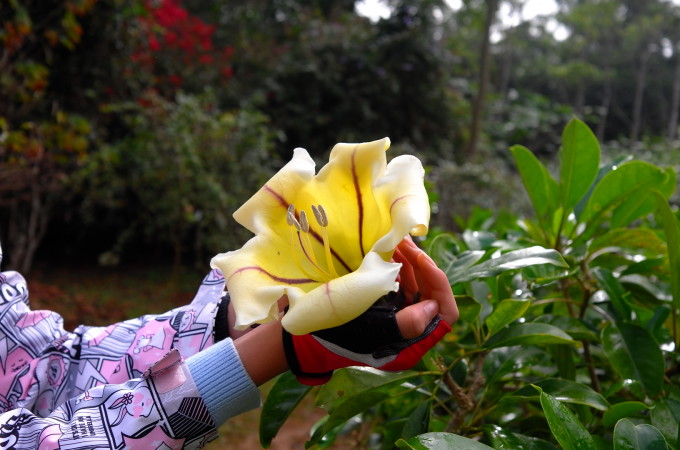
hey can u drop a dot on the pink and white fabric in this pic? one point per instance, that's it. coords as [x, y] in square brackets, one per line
[121, 386]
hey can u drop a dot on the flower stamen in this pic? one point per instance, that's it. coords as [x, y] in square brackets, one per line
[322, 219]
[302, 229]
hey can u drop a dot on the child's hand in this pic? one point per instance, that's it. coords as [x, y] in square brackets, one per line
[421, 277]
[392, 335]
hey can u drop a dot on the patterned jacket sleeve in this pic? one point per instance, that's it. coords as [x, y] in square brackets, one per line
[116, 386]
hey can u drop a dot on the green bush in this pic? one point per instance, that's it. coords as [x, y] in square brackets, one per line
[568, 329]
[176, 179]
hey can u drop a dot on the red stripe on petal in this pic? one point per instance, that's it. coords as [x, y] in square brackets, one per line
[398, 199]
[360, 205]
[274, 277]
[276, 195]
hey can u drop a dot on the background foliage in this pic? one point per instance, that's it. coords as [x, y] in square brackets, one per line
[130, 130]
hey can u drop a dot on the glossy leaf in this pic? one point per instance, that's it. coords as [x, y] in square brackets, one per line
[617, 294]
[418, 421]
[546, 273]
[630, 238]
[576, 328]
[478, 240]
[622, 410]
[353, 406]
[540, 185]
[440, 441]
[513, 359]
[282, 399]
[469, 308]
[672, 232]
[459, 266]
[628, 188]
[565, 427]
[634, 354]
[355, 381]
[666, 418]
[528, 334]
[579, 163]
[505, 313]
[628, 436]
[515, 259]
[604, 170]
[643, 203]
[503, 439]
[567, 391]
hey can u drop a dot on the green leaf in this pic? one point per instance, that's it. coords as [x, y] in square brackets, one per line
[542, 274]
[617, 294]
[629, 238]
[353, 406]
[440, 441]
[540, 185]
[468, 308]
[626, 192]
[576, 328]
[579, 163]
[354, 381]
[503, 439]
[665, 417]
[511, 360]
[528, 334]
[568, 431]
[458, 266]
[478, 240]
[672, 231]
[567, 391]
[639, 206]
[634, 354]
[418, 421]
[515, 259]
[505, 313]
[628, 436]
[282, 399]
[621, 410]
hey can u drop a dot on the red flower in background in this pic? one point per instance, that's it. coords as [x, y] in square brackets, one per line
[172, 31]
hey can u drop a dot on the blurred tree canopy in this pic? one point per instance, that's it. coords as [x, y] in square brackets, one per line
[139, 124]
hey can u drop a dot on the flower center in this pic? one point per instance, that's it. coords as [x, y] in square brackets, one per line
[302, 244]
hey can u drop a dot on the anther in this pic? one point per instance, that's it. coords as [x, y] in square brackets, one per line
[291, 220]
[304, 223]
[320, 215]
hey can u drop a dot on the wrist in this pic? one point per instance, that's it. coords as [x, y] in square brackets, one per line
[261, 351]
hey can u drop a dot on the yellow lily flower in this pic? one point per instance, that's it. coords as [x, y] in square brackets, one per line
[325, 240]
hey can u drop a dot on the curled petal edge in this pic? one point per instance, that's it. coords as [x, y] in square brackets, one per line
[342, 299]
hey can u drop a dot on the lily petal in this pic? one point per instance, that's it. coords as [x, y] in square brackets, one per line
[342, 299]
[402, 188]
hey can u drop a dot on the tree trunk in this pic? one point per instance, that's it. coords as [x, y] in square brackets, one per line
[483, 80]
[640, 84]
[606, 102]
[675, 99]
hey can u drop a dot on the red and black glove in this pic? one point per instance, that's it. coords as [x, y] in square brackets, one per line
[372, 339]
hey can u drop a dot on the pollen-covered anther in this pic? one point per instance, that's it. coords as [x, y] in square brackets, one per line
[304, 223]
[290, 218]
[320, 215]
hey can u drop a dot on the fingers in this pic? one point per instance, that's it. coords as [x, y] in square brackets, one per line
[407, 278]
[413, 319]
[437, 287]
[432, 282]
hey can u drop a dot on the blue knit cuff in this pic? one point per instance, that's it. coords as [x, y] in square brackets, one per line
[223, 382]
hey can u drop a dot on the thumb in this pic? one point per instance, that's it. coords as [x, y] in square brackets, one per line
[413, 319]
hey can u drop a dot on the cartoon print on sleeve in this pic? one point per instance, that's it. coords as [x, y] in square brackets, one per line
[101, 376]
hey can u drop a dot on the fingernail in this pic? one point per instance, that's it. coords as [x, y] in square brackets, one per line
[431, 308]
